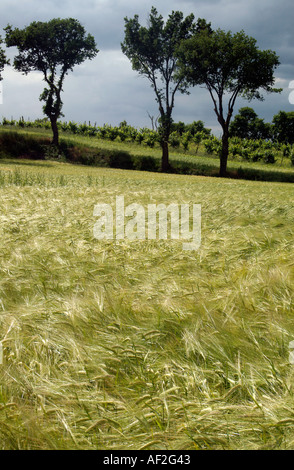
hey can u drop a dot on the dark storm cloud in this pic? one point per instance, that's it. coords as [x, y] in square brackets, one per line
[107, 90]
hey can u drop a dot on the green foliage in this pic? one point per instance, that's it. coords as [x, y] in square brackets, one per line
[247, 150]
[186, 139]
[115, 154]
[53, 152]
[146, 163]
[211, 145]
[152, 49]
[53, 48]
[257, 156]
[152, 52]
[253, 150]
[3, 59]
[227, 63]
[269, 157]
[196, 127]
[150, 137]
[175, 139]
[72, 126]
[185, 134]
[247, 125]
[283, 127]
[14, 144]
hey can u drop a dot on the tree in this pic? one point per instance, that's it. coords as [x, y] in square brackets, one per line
[247, 125]
[3, 59]
[283, 127]
[198, 127]
[152, 52]
[53, 48]
[228, 65]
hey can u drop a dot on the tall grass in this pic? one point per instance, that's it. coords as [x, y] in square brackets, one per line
[139, 344]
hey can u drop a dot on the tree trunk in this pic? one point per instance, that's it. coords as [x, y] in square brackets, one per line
[165, 157]
[54, 127]
[224, 153]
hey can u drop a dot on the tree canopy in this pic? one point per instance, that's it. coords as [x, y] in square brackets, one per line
[283, 127]
[228, 65]
[53, 48]
[247, 125]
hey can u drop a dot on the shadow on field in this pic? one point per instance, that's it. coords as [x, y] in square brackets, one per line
[46, 164]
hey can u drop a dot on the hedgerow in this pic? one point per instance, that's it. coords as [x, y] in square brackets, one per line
[183, 136]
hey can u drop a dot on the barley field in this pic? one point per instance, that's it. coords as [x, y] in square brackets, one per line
[130, 345]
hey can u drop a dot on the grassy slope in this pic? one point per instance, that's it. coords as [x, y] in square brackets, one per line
[132, 345]
[202, 163]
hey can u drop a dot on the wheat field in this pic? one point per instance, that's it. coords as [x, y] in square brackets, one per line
[132, 345]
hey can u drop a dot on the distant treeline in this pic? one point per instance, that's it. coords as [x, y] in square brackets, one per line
[245, 125]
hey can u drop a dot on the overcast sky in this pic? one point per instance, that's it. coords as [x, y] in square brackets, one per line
[107, 90]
